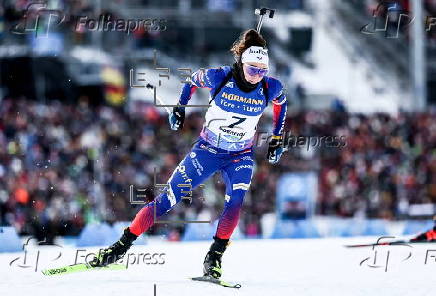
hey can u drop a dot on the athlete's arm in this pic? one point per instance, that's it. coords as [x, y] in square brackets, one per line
[279, 115]
[275, 147]
[280, 103]
[201, 78]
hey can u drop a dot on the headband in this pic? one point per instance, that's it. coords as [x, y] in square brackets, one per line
[255, 54]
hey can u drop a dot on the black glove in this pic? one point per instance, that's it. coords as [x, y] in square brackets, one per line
[275, 150]
[176, 118]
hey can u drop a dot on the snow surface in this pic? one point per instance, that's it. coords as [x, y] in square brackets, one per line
[263, 267]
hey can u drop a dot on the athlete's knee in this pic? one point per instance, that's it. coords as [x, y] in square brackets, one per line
[177, 191]
[235, 199]
[164, 202]
[158, 207]
[172, 196]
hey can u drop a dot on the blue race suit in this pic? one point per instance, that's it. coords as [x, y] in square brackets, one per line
[225, 145]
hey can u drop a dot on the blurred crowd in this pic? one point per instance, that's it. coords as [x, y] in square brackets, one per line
[389, 163]
[62, 166]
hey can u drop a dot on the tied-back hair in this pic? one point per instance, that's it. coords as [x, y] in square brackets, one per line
[248, 38]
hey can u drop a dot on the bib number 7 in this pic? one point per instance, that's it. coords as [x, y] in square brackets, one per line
[238, 121]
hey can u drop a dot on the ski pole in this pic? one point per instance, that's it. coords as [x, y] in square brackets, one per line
[153, 90]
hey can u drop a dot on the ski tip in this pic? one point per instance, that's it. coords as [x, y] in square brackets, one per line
[229, 285]
[222, 283]
[79, 268]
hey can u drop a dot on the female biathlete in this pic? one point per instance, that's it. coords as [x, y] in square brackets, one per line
[239, 95]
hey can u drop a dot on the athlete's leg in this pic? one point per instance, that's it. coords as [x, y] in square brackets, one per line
[197, 166]
[237, 176]
[192, 170]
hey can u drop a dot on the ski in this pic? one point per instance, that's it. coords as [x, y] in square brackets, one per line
[212, 280]
[391, 243]
[79, 268]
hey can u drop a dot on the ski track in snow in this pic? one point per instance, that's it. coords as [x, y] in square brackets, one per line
[263, 267]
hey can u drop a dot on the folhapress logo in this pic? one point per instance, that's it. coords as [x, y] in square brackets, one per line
[38, 18]
[105, 23]
[31, 22]
[389, 17]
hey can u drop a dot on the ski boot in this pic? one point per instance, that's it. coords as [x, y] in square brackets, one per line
[212, 262]
[115, 251]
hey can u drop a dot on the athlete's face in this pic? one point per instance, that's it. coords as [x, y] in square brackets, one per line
[254, 72]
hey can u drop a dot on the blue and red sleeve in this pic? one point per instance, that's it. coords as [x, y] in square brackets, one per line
[279, 115]
[279, 105]
[209, 78]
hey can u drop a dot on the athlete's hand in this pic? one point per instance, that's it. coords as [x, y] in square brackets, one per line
[275, 149]
[176, 118]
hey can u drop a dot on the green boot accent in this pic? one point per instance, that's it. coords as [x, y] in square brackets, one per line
[116, 251]
[212, 262]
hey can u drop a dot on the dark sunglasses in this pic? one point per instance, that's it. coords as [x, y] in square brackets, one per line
[252, 70]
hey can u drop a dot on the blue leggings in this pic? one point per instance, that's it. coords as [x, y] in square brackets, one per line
[204, 160]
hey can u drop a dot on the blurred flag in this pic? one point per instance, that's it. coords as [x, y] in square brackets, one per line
[114, 85]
